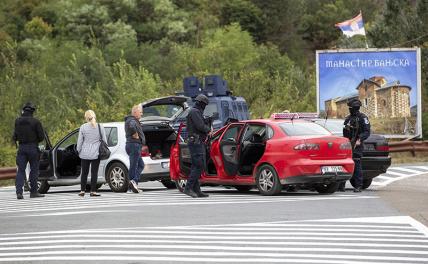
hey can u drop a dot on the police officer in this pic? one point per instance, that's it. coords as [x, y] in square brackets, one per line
[197, 130]
[28, 133]
[357, 129]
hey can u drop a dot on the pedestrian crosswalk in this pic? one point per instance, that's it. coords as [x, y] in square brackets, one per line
[66, 203]
[396, 173]
[395, 239]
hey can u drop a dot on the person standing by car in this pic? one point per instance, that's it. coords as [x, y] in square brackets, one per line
[197, 131]
[88, 144]
[28, 133]
[135, 140]
[356, 129]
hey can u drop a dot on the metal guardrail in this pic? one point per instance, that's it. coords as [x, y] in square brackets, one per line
[7, 173]
[398, 146]
[408, 146]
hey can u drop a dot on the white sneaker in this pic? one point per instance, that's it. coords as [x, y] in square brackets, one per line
[134, 186]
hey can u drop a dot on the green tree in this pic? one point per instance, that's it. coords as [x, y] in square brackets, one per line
[37, 28]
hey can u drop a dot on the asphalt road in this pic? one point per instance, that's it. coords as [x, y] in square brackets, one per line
[165, 226]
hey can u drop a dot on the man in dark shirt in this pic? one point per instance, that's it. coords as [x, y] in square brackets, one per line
[135, 140]
[197, 131]
[28, 133]
[357, 129]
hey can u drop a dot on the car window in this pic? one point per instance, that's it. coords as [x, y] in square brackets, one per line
[231, 132]
[111, 134]
[269, 132]
[167, 111]
[210, 109]
[303, 129]
[225, 109]
[335, 126]
[253, 129]
[72, 139]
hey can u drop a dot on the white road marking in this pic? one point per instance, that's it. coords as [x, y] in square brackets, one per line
[387, 239]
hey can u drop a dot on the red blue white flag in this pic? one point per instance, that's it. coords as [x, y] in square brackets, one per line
[353, 26]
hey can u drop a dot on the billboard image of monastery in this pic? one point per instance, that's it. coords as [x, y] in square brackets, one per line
[386, 83]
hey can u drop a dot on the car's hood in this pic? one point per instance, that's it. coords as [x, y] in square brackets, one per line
[167, 100]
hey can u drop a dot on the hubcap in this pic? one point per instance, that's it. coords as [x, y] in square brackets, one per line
[117, 177]
[266, 180]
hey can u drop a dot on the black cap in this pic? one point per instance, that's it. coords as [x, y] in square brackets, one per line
[354, 103]
[202, 98]
[29, 106]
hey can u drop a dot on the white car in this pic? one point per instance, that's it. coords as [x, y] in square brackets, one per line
[60, 164]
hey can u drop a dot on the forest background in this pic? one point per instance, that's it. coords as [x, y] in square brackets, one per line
[107, 55]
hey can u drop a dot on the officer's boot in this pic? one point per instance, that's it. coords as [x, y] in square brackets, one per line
[189, 191]
[198, 191]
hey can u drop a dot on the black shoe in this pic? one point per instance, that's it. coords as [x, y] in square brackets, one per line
[190, 193]
[19, 196]
[202, 194]
[358, 189]
[36, 195]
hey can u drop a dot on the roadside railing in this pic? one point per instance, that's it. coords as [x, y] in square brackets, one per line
[408, 146]
[7, 173]
[394, 146]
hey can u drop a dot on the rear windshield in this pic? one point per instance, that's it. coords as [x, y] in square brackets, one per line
[335, 126]
[303, 129]
[162, 111]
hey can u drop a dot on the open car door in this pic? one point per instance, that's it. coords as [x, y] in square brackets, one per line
[46, 162]
[230, 148]
[180, 161]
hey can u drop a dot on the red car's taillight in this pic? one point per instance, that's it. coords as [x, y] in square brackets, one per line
[382, 148]
[145, 152]
[346, 145]
[307, 146]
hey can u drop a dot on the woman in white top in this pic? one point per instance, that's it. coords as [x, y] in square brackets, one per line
[88, 145]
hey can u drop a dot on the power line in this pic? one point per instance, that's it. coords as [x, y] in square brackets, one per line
[400, 44]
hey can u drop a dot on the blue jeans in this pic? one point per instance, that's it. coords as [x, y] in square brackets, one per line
[197, 154]
[136, 163]
[27, 153]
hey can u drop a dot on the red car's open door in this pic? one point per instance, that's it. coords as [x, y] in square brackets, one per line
[180, 160]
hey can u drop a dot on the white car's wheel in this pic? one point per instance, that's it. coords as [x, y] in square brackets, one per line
[117, 177]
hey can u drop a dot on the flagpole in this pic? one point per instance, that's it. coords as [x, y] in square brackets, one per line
[365, 36]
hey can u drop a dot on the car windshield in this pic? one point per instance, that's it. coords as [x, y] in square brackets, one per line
[335, 126]
[209, 111]
[303, 129]
[163, 112]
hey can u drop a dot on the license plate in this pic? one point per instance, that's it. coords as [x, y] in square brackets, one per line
[331, 169]
[165, 165]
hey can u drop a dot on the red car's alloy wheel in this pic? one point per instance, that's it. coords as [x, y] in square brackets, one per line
[267, 180]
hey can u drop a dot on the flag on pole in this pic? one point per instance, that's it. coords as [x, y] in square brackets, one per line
[353, 26]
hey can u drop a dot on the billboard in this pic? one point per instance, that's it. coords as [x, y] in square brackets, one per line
[387, 82]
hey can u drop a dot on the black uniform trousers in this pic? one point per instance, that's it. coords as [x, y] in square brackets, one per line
[197, 154]
[27, 153]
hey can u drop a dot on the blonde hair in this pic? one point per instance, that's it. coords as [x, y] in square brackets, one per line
[136, 108]
[91, 118]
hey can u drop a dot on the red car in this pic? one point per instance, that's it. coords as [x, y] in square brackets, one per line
[283, 151]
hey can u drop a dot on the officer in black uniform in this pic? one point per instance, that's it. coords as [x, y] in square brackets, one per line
[28, 133]
[197, 130]
[357, 129]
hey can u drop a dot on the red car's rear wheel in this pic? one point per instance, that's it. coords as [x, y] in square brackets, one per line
[267, 180]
